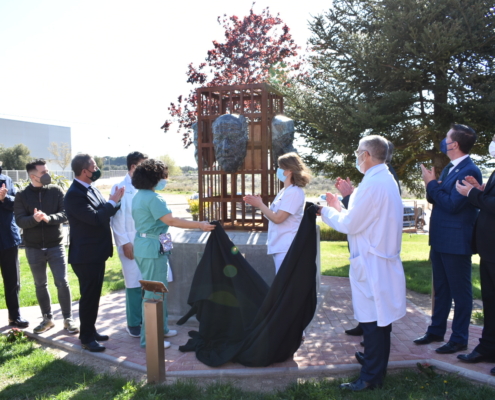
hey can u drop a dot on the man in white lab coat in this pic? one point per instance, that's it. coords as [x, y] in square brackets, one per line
[373, 223]
[124, 232]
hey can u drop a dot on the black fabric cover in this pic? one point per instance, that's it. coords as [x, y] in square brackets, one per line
[243, 320]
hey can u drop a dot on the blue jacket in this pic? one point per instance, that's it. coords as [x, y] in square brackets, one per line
[453, 216]
[9, 232]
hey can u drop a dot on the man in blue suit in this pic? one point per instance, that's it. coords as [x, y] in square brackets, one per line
[451, 232]
[90, 242]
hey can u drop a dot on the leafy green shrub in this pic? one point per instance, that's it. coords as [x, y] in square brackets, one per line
[193, 206]
[16, 335]
[330, 234]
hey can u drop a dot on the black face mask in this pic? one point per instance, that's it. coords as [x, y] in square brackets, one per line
[95, 175]
[45, 179]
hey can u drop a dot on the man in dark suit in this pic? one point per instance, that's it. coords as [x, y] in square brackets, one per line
[451, 230]
[90, 242]
[484, 198]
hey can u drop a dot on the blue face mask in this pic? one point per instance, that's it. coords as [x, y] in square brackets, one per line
[443, 146]
[161, 185]
[280, 175]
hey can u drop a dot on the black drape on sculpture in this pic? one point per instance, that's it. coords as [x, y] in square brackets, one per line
[240, 318]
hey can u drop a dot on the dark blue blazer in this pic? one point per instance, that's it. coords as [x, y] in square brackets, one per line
[453, 216]
[9, 232]
[89, 219]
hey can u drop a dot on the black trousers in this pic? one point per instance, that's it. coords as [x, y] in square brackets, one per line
[487, 277]
[9, 264]
[376, 352]
[90, 278]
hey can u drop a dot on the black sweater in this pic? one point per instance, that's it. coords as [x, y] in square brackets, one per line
[50, 200]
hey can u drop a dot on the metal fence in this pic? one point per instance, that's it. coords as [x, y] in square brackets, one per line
[17, 175]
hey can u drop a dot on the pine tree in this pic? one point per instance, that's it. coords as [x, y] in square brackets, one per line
[404, 69]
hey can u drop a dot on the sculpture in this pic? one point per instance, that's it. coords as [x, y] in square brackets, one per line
[230, 137]
[282, 136]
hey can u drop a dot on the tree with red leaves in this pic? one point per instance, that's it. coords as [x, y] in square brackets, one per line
[254, 46]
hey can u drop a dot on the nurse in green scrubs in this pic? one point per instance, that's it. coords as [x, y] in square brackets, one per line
[152, 218]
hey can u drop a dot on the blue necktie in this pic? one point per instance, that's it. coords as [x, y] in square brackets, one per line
[445, 172]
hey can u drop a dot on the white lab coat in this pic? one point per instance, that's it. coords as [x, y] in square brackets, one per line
[373, 223]
[124, 231]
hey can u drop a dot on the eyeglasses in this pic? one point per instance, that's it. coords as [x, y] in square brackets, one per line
[357, 153]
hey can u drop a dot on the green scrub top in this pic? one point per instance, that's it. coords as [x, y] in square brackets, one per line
[147, 209]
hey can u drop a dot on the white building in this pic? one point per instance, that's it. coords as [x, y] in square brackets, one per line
[37, 137]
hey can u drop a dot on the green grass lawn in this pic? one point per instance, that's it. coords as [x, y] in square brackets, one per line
[28, 372]
[114, 280]
[417, 268]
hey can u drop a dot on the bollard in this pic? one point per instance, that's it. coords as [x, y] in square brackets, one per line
[153, 313]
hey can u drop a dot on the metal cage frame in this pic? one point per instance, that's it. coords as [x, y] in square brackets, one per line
[220, 193]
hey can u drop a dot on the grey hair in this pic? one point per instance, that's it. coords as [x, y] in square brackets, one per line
[376, 145]
[390, 152]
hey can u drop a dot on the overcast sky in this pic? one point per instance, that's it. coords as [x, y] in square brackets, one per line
[109, 69]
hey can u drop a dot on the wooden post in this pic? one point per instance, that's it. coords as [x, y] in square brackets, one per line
[153, 315]
[155, 351]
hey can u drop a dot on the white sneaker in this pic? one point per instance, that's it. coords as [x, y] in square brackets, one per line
[166, 344]
[171, 333]
[70, 326]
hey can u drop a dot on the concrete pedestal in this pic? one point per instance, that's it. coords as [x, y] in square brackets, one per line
[188, 250]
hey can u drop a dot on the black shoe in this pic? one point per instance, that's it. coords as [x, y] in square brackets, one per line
[475, 357]
[357, 331]
[361, 343]
[428, 338]
[492, 371]
[93, 346]
[101, 338]
[451, 347]
[19, 322]
[357, 386]
[359, 357]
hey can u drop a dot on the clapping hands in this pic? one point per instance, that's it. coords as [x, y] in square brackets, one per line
[333, 201]
[119, 193]
[344, 186]
[40, 216]
[3, 192]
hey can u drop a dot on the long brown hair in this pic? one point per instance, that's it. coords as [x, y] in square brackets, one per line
[301, 175]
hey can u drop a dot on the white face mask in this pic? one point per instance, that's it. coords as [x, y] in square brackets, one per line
[491, 149]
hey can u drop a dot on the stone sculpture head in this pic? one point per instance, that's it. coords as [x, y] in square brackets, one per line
[230, 137]
[282, 136]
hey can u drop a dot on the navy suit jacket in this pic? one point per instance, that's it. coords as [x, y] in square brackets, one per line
[89, 219]
[9, 232]
[484, 231]
[453, 216]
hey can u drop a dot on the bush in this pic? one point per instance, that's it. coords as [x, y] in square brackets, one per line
[193, 206]
[330, 234]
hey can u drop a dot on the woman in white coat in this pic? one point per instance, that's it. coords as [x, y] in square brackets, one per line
[287, 209]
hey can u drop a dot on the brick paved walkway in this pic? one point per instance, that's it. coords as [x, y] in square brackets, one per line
[326, 348]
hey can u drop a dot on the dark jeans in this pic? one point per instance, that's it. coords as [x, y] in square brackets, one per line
[90, 283]
[487, 277]
[55, 257]
[9, 264]
[451, 280]
[376, 352]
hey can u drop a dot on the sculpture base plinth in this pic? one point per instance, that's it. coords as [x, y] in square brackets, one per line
[188, 250]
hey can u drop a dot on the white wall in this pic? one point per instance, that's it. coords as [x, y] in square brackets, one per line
[37, 137]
